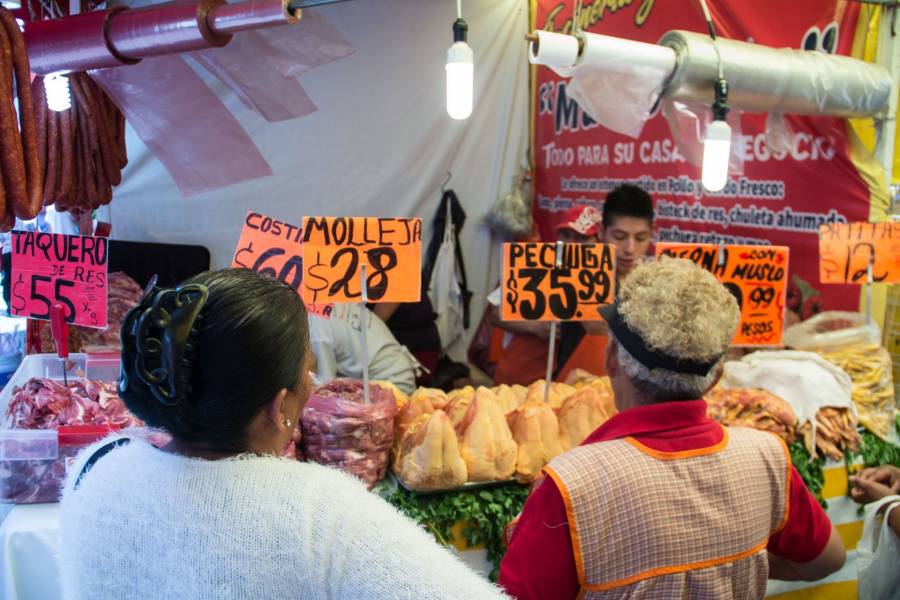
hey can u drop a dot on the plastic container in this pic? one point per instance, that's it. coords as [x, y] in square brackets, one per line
[100, 367]
[33, 462]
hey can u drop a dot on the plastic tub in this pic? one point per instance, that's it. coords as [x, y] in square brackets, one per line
[33, 462]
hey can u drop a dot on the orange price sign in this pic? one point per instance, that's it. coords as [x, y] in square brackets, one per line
[274, 248]
[535, 289]
[847, 249]
[335, 249]
[757, 277]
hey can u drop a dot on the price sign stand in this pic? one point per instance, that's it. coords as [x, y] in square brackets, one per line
[363, 325]
[551, 351]
[869, 291]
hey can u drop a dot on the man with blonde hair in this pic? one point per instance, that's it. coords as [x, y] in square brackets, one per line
[661, 501]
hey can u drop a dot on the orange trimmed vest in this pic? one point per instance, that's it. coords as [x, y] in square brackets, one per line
[691, 524]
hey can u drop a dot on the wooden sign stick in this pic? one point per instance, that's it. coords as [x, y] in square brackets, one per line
[551, 351]
[869, 290]
[363, 327]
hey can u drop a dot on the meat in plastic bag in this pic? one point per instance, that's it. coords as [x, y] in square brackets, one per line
[342, 431]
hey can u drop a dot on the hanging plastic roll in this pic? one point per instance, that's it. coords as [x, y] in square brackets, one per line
[764, 79]
[760, 78]
[164, 29]
[110, 38]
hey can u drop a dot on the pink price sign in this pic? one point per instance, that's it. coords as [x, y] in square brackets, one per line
[50, 268]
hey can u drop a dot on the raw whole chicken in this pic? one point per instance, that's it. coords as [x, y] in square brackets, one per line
[458, 406]
[488, 448]
[558, 393]
[508, 398]
[579, 416]
[536, 432]
[418, 406]
[401, 398]
[437, 397]
[429, 456]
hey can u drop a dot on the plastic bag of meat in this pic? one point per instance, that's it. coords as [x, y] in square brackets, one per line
[341, 430]
[123, 294]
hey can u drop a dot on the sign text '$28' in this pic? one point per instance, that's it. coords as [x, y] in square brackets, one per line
[336, 248]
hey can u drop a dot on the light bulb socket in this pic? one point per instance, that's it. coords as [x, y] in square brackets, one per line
[460, 31]
[720, 106]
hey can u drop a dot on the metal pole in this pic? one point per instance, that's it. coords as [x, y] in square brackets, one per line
[889, 57]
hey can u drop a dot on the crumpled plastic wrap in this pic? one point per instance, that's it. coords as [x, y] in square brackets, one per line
[186, 126]
[340, 430]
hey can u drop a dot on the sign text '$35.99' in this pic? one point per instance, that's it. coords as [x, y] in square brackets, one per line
[534, 289]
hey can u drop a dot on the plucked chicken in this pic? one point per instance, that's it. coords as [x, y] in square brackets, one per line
[579, 416]
[536, 432]
[429, 456]
[487, 445]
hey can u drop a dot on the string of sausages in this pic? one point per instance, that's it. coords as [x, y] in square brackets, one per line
[83, 148]
[21, 166]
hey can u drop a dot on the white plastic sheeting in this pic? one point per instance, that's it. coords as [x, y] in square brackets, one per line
[380, 143]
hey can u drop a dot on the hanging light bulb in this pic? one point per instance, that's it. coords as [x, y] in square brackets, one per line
[58, 96]
[717, 143]
[460, 71]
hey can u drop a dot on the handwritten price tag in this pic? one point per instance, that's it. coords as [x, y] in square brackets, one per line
[847, 249]
[274, 248]
[49, 268]
[535, 290]
[334, 249]
[756, 275]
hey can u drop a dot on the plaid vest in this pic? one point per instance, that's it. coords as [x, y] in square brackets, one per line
[690, 524]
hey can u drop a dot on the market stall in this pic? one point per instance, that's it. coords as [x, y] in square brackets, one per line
[204, 145]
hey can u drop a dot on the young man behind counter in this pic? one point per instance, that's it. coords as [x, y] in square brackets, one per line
[627, 220]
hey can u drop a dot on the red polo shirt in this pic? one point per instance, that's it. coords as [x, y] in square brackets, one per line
[540, 564]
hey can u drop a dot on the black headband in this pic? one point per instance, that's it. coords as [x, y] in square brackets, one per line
[652, 359]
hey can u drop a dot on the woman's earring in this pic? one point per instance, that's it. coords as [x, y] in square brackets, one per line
[287, 423]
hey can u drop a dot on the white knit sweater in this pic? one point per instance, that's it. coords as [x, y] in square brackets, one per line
[149, 524]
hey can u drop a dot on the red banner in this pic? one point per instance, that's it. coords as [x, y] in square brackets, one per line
[780, 198]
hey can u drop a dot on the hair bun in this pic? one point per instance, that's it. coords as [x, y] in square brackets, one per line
[156, 338]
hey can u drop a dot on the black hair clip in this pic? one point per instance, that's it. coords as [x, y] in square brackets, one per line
[155, 336]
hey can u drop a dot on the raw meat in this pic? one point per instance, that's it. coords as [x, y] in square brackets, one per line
[341, 430]
[429, 457]
[579, 416]
[487, 444]
[47, 404]
[536, 432]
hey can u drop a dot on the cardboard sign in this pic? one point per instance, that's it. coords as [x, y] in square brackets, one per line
[847, 249]
[49, 268]
[534, 289]
[274, 248]
[334, 249]
[757, 277]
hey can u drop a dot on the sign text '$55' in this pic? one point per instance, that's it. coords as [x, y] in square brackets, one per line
[70, 270]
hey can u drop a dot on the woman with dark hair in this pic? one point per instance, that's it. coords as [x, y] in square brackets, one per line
[221, 364]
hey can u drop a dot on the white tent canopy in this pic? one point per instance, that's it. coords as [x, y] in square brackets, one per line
[380, 144]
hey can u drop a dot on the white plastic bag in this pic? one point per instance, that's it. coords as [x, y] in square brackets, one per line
[444, 290]
[878, 553]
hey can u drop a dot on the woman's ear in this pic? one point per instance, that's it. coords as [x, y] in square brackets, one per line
[277, 411]
[612, 360]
